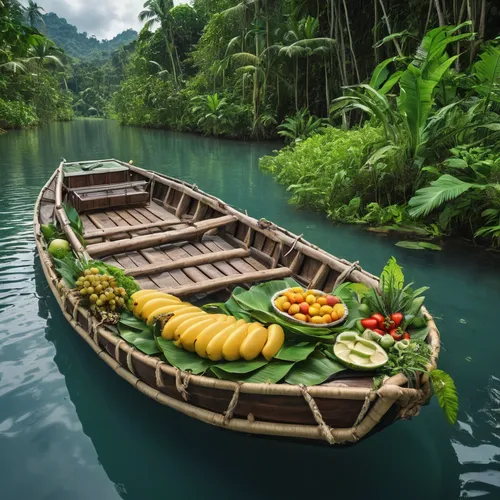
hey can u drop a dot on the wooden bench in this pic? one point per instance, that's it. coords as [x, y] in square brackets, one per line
[99, 197]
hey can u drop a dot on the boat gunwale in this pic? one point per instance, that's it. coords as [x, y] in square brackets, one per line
[391, 392]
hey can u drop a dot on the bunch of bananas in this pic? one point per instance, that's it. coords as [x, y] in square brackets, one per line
[213, 336]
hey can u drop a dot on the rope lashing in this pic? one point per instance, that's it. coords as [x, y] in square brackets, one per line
[228, 414]
[324, 429]
[182, 385]
[117, 350]
[295, 241]
[75, 309]
[345, 273]
[130, 366]
[364, 408]
[159, 380]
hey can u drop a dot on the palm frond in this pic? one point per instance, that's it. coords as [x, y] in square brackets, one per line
[441, 190]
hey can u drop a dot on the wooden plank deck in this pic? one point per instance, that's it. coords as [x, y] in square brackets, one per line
[178, 264]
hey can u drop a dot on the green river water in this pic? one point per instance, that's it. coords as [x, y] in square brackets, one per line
[70, 429]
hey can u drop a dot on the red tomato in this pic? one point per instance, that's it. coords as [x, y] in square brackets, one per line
[397, 318]
[380, 320]
[369, 323]
[396, 334]
[380, 332]
[406, 336]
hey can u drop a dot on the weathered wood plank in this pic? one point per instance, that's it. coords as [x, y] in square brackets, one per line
[191, 261]
[154, 255]
[218, 283]
[105, 232]
[147, 241]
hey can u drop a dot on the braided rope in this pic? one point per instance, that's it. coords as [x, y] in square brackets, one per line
[159, 380]
[117, 350]
[324, 429]
[345, 273]
[228, 414]
[364, 408]
[182, 385]
[130, 365]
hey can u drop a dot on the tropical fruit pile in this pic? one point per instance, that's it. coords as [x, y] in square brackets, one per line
[104, 296]
[310, 306]
[212, 336]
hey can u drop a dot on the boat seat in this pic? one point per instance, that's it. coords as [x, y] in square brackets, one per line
[97, 197]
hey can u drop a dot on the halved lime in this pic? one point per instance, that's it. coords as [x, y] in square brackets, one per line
[358, 353]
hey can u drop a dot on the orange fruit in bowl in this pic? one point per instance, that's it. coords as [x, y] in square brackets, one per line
[327, 318]
[313, 311]
[325, 310]
[299, 298]
[321, 301]
[339, 309]
[285, 306]
[317, 320]
[294, 309]
[301, 317]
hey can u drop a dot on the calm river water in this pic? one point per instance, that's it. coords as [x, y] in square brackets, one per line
[70, 429]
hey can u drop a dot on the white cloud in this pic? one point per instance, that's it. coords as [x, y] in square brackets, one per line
[102, 18]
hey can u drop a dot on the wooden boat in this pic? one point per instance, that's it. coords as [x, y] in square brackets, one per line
[172, 236]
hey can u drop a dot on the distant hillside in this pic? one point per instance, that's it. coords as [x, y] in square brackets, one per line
[76, 44]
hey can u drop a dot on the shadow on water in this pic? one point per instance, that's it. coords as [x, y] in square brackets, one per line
[72, 429]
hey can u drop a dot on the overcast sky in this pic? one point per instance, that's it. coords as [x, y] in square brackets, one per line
[102, 18]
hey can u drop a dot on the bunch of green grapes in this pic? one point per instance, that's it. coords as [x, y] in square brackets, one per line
[103, 294]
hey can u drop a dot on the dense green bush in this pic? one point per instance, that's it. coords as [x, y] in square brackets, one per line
[17, 115]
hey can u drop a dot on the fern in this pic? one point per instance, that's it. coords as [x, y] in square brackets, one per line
[441, 190]
[446, 392]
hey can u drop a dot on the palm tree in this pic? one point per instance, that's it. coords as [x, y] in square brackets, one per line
[34, 13]
[158, 11]
[44, 53]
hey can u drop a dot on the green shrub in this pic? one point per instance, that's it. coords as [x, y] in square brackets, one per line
[17, 114]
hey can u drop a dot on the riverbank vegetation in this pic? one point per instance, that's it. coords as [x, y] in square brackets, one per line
[32, 70]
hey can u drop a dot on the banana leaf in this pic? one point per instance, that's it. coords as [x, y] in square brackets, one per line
[184, 360]
[271, 373]
[418, 333]
[295, 352]
[241, 366]
[314, 370]
[131, 321]
[143, 340]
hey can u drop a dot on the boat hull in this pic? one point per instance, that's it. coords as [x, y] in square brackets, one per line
[338, 412]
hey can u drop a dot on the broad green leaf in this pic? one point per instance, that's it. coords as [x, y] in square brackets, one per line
[271, 373]
[429, 246]
[184, 360]
[314, 370]
[411, 245]
[418, 333]
[416, 305]
[446, 392]
[68, 269]
[441, 190]
[131, 321]
[295, 352]
[215, 308]
[143, 340]
[392, 276]
[240, 366]
[235, 310]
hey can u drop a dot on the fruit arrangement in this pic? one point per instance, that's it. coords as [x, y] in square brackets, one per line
[101, 293]
[213, 336]
[310, 306]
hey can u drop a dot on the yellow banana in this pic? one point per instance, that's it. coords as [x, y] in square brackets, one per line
[141, 293]
[142, 301]
[231, 347]
[275, 339]
[170, 326]
[179, 308]
[154, 304]
[254, 342]
[214, 347]
[189, 322]
[188, 338]
[202, 340]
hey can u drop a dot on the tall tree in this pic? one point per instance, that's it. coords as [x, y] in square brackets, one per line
[34, 13]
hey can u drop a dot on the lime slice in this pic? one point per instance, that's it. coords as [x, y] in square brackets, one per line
[358, 353]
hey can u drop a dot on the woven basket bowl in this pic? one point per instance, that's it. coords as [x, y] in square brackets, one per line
[298, 321]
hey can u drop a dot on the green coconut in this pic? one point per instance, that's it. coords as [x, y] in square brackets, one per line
[59, 248]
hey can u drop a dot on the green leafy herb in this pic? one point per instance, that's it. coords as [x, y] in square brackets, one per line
[68, 268]
[131, 286]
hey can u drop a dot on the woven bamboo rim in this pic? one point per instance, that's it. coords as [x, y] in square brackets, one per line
[287, 317]
[376, 403]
